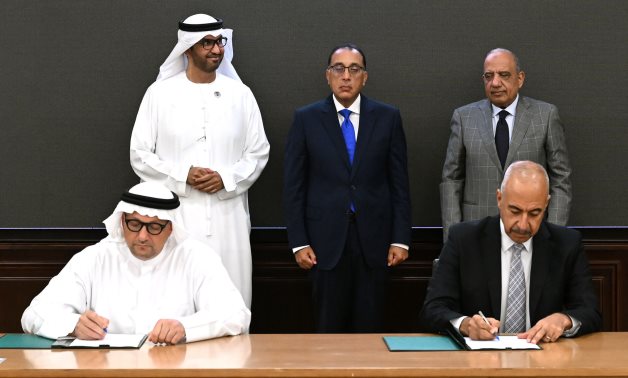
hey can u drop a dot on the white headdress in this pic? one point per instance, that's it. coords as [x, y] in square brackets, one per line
[192, 30]
[148, 199]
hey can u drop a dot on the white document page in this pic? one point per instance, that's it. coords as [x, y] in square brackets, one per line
[111, 340]
[504, 342]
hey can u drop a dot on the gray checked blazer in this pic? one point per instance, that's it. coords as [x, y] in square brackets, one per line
[472, 172]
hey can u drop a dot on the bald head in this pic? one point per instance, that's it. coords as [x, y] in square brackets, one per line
[522, 199]
[500, 50]
[528, 172]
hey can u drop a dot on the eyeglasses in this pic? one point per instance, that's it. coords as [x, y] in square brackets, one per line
[208, 44]
[504, 75]
[153, 228]
[339, 69]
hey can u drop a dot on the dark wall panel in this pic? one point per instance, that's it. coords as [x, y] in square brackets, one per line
[74, 72]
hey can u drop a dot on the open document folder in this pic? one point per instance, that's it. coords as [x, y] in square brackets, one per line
[455, 341]
[501, 342]
[111, 340]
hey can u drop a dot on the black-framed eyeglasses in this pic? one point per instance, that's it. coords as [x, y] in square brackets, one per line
[339, 69]
[208, 44]
[153, 228]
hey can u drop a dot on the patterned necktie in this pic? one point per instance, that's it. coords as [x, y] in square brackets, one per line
[502, 137]
[348, 133]
[516, 301]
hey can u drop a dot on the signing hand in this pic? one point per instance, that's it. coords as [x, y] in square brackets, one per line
[477, 329]
[167, 331]
[90, 326]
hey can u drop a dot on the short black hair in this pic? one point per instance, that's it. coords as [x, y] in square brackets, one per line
[349, 46]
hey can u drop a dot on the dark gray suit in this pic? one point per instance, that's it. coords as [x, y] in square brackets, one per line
[472, 172]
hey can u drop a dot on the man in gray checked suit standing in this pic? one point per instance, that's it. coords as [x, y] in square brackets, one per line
[488, 135]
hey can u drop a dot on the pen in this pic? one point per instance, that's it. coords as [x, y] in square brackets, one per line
[486, 321]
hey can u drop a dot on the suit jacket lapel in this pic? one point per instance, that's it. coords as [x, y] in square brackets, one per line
[329, 120]
[541, 250]
[487, 134]
[491, 255]
[365, 130]
[520, 128]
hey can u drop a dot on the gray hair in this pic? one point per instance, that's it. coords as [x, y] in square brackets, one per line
[505, 51]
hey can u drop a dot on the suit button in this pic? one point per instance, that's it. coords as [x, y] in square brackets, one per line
[353, 187]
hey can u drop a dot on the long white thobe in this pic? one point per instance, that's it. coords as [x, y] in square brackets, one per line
[185, 282]
[181, 124]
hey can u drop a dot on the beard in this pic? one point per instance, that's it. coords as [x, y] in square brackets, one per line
[206, 62]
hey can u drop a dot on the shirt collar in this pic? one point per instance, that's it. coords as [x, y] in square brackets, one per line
[355, 107]
[512, 108]
[507, 242]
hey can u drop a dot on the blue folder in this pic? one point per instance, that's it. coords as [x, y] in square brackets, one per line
[24, 341]
[420, 343]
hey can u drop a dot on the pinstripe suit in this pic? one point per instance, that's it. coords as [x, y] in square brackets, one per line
[472, 172]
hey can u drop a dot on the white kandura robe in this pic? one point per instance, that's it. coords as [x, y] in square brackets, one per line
[185, 282]
[181, 124]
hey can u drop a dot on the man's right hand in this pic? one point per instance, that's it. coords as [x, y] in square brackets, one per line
[305, 258]
[90, 326]
[477, 329]
[205, 180]
[196, 175]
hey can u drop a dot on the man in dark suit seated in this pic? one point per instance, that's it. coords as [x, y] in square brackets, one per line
[528, 276]
[346, 197]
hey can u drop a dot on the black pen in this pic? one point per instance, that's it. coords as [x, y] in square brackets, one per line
[486, 321]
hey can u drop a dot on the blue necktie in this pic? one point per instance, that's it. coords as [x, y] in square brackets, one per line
[502, 137]
[348, 133]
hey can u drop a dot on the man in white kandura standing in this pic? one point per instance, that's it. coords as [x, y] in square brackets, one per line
[199, 132]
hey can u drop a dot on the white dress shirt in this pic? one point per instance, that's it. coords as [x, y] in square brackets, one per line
[510, 119]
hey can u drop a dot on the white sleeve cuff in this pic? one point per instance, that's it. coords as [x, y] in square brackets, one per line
[227, 179]
[407, 248]
[457, 322]
[55, 328]
[297, 249]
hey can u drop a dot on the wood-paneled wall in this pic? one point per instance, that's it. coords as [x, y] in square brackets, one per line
[281, 294]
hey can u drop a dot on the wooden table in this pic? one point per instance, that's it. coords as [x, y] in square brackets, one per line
[311, 355]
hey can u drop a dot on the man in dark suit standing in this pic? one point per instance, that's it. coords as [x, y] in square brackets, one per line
[526, 275]
[486, 136]
[346, 197]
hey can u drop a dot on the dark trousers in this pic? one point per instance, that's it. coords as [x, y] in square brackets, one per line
[350, 297]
